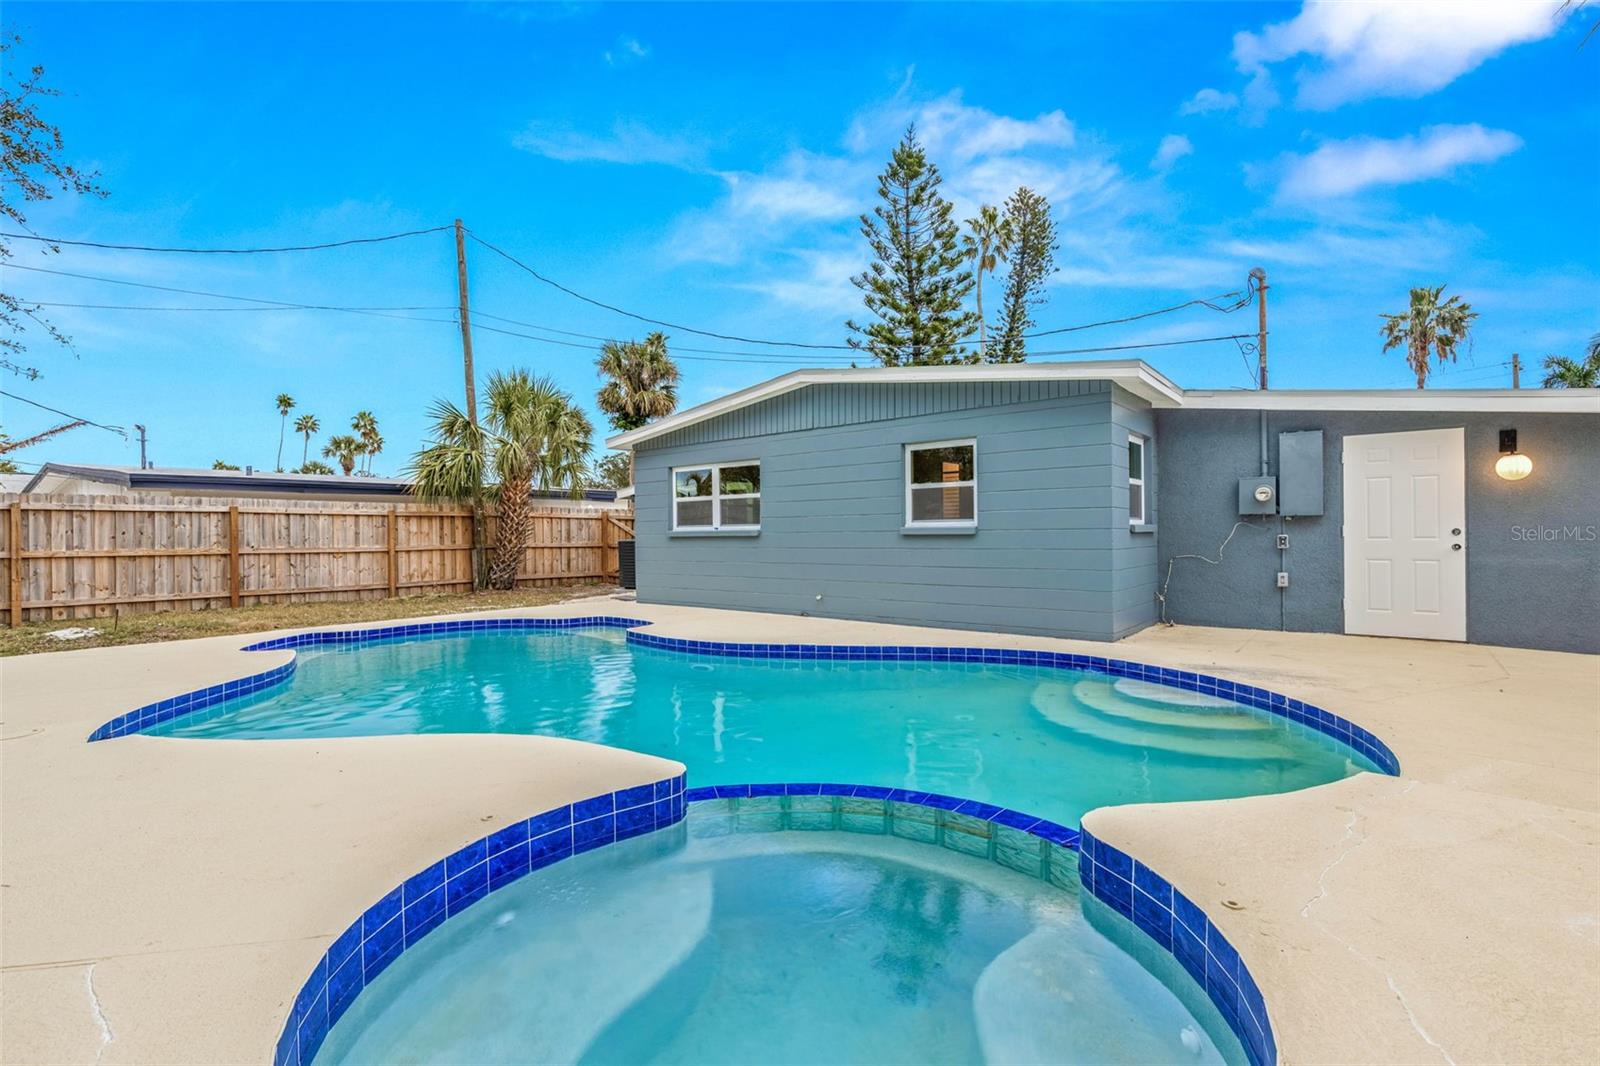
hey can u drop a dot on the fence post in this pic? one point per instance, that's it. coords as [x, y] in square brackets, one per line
[394, 577]
[233, 555]
[16, 562]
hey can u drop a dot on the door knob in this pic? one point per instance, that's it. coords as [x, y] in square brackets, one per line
[1455, 547]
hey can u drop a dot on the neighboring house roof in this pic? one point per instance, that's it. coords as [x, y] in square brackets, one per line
[167, 479]
[14, 482]
[1146, 382]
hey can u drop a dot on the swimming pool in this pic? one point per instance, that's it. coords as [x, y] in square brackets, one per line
[780, 938]
[1051, 741]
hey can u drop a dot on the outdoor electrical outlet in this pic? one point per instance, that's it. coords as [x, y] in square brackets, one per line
[1283, 579]
[1283, 542]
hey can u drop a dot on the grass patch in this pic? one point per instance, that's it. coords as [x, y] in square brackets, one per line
[183, 625]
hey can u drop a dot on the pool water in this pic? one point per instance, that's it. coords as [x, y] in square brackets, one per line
[699, 944]
[1054, 743]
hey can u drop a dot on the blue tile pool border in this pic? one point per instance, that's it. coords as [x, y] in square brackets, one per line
[1180, 928]
[1067, 858]
[1331, 725]
[152, 714]
[1312, 717]
[424, 901]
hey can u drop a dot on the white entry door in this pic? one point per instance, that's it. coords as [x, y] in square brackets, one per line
[1405, 525]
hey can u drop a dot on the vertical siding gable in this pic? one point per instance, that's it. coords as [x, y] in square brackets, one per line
[853, 403]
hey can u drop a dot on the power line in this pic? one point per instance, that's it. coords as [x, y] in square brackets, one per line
[64, 414]
[1242, 299]
[376, 312]
[224, 251]
[745, 357]
[645, 318]
[267, 304]
[1151, 344]
[753, 358]
[596, 337]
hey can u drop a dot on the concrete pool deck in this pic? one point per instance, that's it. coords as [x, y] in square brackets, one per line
[163, 899]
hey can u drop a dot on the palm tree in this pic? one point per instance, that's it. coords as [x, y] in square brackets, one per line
[531, 435]
[1563, 372]
[986, 244]
[345, 449]
[642, 381]
[306, 425]
[285, 405]
[1428, 326]
[314, 466]
[366, 429]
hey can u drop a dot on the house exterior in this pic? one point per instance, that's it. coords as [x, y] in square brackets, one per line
[82, 479]
[1094, 499]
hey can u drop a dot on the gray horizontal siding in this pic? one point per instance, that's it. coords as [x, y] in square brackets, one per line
[1538, 594]
[1134, 601]
[833, 498]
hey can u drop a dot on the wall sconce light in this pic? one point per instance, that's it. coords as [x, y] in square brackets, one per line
[1512, 464]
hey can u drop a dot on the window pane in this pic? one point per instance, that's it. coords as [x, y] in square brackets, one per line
[692, 483]
[694, 513]
[1136, 459]
[739, 480]
[1136, 503]
[740, 511]
[929, 466]
[942, 505]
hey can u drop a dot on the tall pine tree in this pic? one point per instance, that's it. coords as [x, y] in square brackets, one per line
[1033, 248]
[917, 282]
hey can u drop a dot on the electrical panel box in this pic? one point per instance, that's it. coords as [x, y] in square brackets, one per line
[1258, 495]
[1300, 472]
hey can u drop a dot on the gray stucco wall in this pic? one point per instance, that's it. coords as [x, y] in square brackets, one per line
[1052, 553]
[1523, 589]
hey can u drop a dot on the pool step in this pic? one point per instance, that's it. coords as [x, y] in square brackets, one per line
[1167, 695]
[1109, 698]
[1058, 703]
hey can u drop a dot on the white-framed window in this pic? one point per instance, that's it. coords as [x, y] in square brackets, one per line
[1138, 463]
[942, 483]
[717, 496]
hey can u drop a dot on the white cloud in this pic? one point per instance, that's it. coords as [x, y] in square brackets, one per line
[802, 188]
[1409, 48]
[808, 197]
[1173, 147]
[628, 142]
[955, 132]
[1208, 100]
[1340, 168]
[626, 50]
[821, 284]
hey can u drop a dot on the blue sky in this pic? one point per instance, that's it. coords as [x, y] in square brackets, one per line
[704, 164]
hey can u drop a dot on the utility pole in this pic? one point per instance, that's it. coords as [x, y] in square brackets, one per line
[144, 463]
[480, 562]
[1516, 371]
[466, 322]
[1261, 324]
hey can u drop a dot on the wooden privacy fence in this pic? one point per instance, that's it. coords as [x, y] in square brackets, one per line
[68, 557]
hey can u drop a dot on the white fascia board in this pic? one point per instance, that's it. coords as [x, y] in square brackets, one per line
[1131, 374]
[1507, 401]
